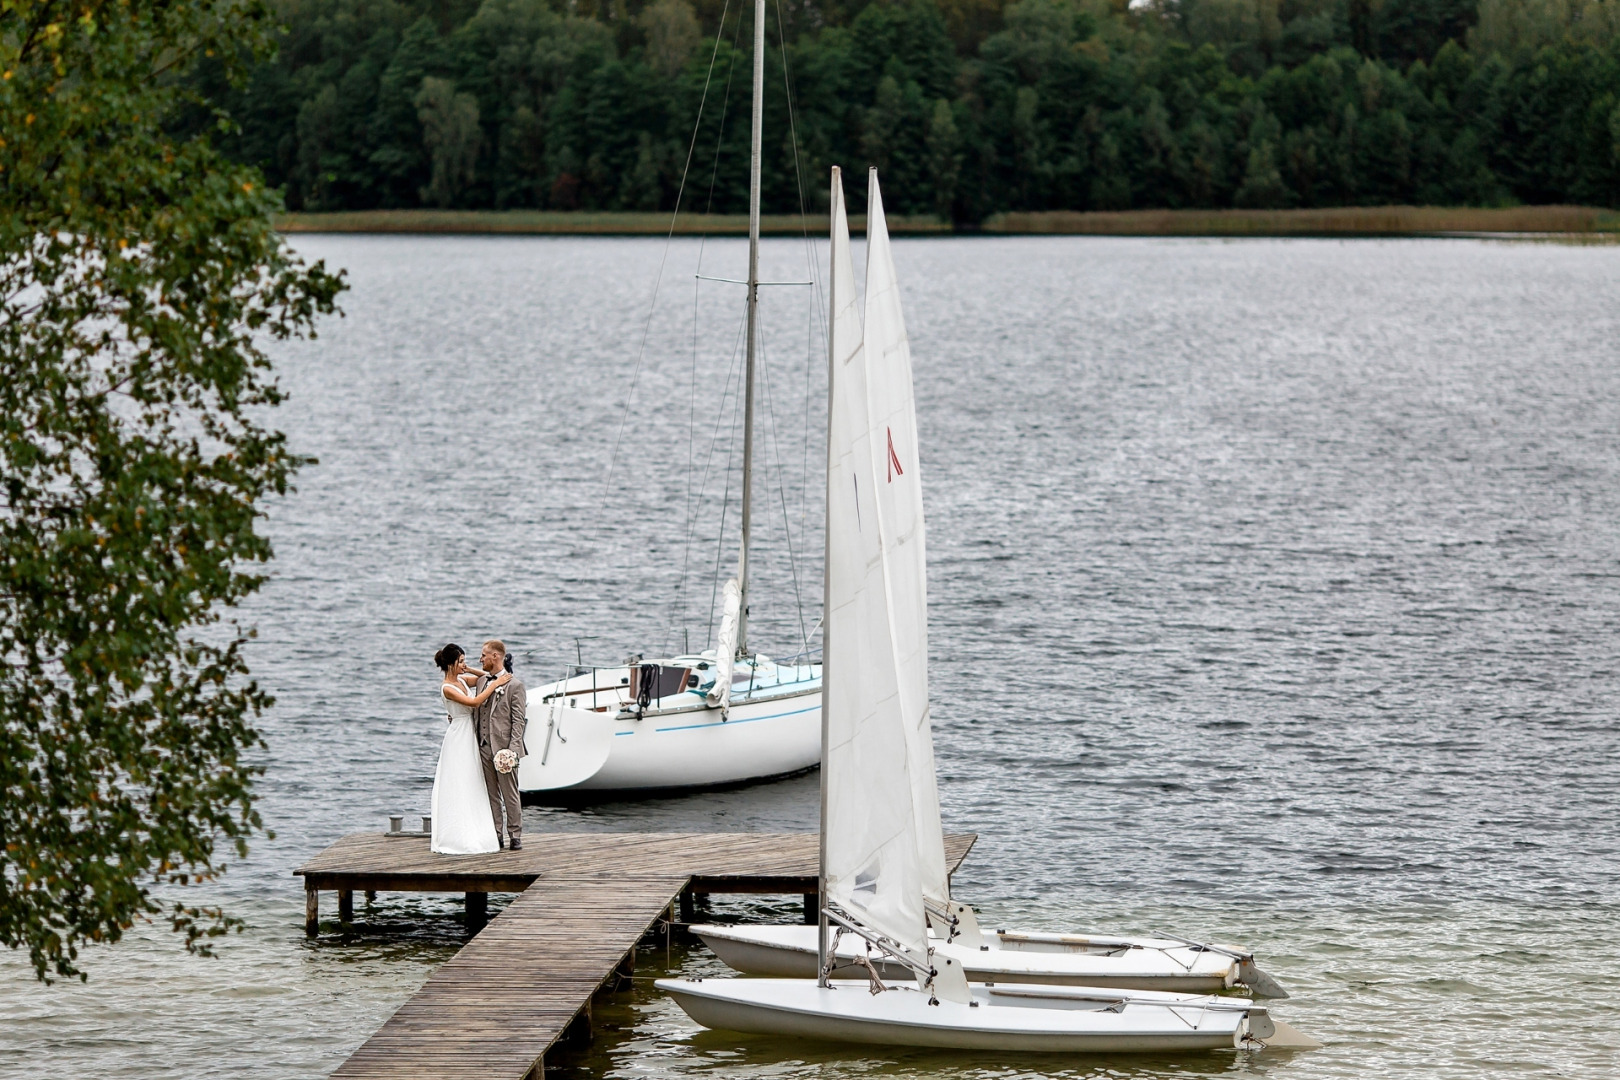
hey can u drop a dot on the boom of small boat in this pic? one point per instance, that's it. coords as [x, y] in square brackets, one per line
[1161, 963]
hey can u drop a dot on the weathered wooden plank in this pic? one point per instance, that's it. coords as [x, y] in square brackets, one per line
[526, 981]
[726, 862]
[494, 1009]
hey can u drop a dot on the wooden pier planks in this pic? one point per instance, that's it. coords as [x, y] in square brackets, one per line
[493, 1011]
[495, 1008]
[718, 862]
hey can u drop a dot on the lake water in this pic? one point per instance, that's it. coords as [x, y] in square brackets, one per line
[1274, 599]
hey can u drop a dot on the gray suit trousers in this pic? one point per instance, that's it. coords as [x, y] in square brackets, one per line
[503, 794]
[500, 722]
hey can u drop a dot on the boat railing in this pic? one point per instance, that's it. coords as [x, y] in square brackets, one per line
[596, 690]
[609, 687]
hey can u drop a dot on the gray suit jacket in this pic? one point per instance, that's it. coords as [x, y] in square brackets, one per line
[501, 719]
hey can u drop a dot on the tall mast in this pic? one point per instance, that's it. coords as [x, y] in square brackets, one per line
[753, 311]
[835, 205]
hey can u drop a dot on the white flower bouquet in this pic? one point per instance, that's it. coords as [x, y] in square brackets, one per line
[505, 761]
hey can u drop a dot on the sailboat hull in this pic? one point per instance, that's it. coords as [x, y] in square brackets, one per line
[576, 752]
[1006, 1019]
[790, 952]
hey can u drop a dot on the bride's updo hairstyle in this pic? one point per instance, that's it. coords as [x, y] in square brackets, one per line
[447, 657]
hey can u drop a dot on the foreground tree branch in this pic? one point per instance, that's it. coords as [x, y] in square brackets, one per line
[140, 261]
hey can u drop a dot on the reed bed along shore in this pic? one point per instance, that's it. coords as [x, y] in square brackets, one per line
[1336, 221]
[1588, 221]
[579, 223]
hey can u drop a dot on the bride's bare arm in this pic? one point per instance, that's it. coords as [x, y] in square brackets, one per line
[459, 694]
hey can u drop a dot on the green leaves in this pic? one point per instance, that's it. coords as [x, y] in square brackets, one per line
[139, 275]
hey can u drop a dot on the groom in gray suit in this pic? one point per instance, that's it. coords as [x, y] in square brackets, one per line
[499, 722]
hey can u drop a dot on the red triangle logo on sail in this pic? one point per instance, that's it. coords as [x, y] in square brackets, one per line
[894, 460]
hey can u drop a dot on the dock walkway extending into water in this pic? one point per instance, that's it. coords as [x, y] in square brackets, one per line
[497, 1007]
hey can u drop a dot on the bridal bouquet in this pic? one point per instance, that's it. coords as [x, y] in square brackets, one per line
[505, 761]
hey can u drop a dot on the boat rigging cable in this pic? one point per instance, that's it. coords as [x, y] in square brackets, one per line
[652, 306]
[725, 499]
[781, 491]
[817, 314]
[680, 597]
[694, 501]
[679, 600]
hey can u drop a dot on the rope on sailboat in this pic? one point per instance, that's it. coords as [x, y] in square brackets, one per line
[781, 491]
[697, 283]
[818, 313]
[888, 947]
[674, 215]
[939, 912]
[876, 983]
[814, 280]
[691, 521]
[692, 503]
[725, 505]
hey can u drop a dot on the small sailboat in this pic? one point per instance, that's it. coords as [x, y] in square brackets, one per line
[725, 716]
[1167, 964]
[878, 794]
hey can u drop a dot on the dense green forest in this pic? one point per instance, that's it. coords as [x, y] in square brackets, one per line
[969, 107]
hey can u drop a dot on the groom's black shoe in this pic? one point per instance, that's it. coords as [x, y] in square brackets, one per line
[515, 844]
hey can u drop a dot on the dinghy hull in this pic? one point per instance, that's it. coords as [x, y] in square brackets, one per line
[790, 952]
[902, 1016]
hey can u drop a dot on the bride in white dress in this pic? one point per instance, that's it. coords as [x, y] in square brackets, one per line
[462, 824]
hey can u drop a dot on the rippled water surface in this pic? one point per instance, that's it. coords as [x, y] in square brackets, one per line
[1274, 591]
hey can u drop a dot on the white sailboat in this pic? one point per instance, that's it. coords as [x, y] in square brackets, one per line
[724, 716]
[878, 794]
[670, 724]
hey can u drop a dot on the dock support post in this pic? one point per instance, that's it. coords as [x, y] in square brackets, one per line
[371, 894]
[623, 974]
[345, 906]
[812, 914]
[578, 1031]
[477, 911]
[688, 908]
[312, 912]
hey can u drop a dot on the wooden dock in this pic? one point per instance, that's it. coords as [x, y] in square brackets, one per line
[527, 978]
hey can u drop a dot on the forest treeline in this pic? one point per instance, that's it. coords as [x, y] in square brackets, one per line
[968, 107]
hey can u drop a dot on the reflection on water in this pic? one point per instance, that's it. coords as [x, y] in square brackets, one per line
[1272, 585]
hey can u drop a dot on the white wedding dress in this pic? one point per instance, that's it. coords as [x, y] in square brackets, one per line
[462, 824]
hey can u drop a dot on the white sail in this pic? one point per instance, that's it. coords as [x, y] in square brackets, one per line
[871, 865]
[893, 422]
